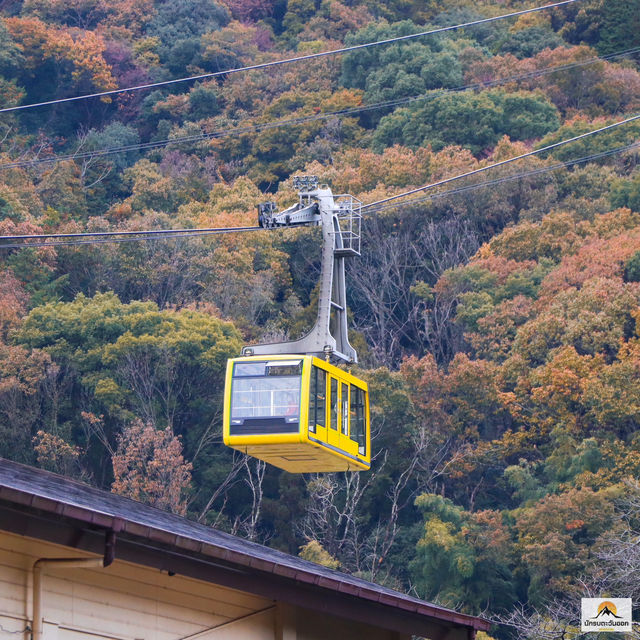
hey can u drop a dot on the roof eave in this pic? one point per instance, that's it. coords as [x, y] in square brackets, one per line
[401, 613]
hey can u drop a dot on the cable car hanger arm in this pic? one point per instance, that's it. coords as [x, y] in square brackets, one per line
[340, 218]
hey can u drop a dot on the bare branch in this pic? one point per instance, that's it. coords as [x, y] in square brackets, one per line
[222, 489]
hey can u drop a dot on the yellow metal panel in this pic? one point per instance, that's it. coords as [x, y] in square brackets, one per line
[265, 439]
[227, 402]
[321, 432]
[301, 458]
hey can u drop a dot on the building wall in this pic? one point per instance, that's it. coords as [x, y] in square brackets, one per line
[312, 625]
[130, 602]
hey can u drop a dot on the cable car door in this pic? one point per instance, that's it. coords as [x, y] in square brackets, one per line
[333, 432]
[344, 417]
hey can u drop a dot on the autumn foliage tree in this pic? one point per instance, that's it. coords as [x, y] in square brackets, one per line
[148, 466]
[81, 52]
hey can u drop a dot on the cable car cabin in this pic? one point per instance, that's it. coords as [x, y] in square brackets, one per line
[298, 413]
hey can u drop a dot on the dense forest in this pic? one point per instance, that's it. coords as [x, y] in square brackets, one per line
[497, 318]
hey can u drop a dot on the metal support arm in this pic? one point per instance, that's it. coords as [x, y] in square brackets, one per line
[339, 218]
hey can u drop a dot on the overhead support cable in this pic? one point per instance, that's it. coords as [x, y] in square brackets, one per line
[137, 232]
[72, 239]
[502, 163]
[311, 56]
[508, 178]
[212, 135]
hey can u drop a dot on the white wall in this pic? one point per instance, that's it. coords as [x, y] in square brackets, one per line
[123, 601]
[131, 602]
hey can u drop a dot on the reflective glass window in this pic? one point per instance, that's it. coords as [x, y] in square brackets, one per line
[358, 427]
[333, 423]
[258, 392]
[345, 409]
[317, 398]
[248, 369]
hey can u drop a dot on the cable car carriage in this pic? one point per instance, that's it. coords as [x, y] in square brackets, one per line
[286, 403]
[299, 413]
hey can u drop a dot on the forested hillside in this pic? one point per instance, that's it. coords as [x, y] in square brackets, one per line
[497, 317]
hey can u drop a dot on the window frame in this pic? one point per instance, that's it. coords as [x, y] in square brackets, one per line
[357, 408]
[317, 398]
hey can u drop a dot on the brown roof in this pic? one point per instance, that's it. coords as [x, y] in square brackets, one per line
[47, 506]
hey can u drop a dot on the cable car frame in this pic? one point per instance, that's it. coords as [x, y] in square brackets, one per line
[299, 413]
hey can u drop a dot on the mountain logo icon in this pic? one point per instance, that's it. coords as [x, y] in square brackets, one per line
[606, 614]
[607, 608]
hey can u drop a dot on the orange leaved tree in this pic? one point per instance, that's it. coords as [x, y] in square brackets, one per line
[148, 466]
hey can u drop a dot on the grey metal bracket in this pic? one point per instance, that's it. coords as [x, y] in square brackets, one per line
[340, 218]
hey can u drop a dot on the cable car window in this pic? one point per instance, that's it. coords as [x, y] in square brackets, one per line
[288, 368]
[345, 409]
[333, 422]
[248, 369]
[358, 429]
[317, 398]
[267, 390]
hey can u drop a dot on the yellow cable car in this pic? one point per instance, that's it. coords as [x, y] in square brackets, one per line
[283, 403]
[297, 412]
